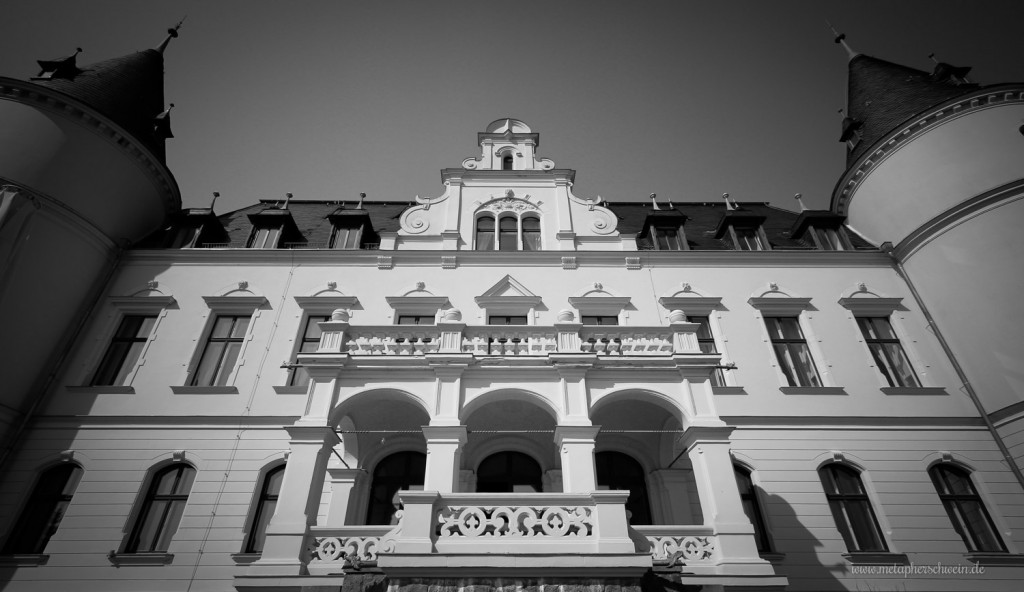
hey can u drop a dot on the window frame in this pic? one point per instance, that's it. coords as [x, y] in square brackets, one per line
[676, 230]
[792, 306]
[885, 366]
[371, 502]
[323, 304]
[300, 341]
[359, 229]
[704, 321]
[762, 534]
[132, 542]
[641, 495]
[256, 534]
[845, 500]
[495, 218]
[120, 367]
[820, 234]
[45, 529]
[962, 525]
[794, 378]
[224, 306]
[758, 235]
[272, 240]
[124, 306]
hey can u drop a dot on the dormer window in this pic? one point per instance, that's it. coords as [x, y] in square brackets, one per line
[264, 236]
[185, 236]
[668, 238]
[506, 162]
[664, 231]
[822, 229]
[196, 227]
[508, 233]
[347, 234]
[748, 238]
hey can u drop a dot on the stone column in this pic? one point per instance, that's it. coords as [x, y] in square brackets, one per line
[708, 449]
[444, 457]
[299, 498]
[576, 447]
[343, 485]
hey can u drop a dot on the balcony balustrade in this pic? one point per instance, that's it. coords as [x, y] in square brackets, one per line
[489, 524]
[489, 340]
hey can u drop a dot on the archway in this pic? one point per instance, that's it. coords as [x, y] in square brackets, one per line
[509, 472]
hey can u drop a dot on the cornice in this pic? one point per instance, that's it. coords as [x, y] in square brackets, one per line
[68, 107]
[984, 98]
[433, 258]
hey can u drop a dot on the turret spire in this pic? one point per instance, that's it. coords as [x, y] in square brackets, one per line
[172, 33]
[841, 40]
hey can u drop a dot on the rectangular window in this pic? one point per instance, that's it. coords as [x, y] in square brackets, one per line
[506, 320]
[666, 238]
[791, 351]
[264, 237]
[124, 350]
[706, 340]
[888, 353]
[221, 351]
[415, 319]
[309, 342]
[162, 509]
[600, 320]
[531, 234]
[347, 235]
[851, 509]
[748, 239]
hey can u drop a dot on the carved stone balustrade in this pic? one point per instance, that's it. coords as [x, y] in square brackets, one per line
[392, 340]
[693, 548]
[332, 549]
[509, 340]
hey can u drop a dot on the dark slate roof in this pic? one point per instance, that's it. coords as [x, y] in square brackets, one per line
[313, 220]
[883, 95]
[129, 90]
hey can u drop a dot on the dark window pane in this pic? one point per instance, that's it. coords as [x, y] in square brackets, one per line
[616, 470]
[965, 509]
[851, 509]
[125, 348]
[748, 495]
[42, 515]
[400, 471]
[161, 510]
[508, 472]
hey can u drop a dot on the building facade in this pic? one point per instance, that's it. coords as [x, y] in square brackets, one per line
[510, 385]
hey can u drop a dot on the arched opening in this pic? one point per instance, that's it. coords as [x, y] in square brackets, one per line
[616, 470]
[531, 233]
[966, 509]
[508, 234]
[485, 233]
[41, 517]
[752, 507]
[402, 471]
[506, 162]
[265, 506]
[509, 472]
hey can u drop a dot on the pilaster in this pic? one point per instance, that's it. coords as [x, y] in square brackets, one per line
[444, 457]
[576, 448]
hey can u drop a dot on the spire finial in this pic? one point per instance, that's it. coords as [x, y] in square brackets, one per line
[213, 201]
[172, 33]
[654, 201]
[287, 198]
[799, 199]
[728, 205]
[362, 196]
[841, 39]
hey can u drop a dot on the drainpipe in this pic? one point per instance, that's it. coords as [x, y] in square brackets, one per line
[888, 249]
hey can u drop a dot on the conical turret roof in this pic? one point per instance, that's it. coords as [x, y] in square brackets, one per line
[883, 95]
[129, 90]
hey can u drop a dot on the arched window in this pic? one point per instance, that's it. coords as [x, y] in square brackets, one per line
[506, 162]
[485, 233]
[41, 517]
[161, 509]
[265, 507]
[508, 472]
[616, 470]
[398, 472]
[851, 508]
[966, 510]
[531, 233]
[508, 234]
[751, 507]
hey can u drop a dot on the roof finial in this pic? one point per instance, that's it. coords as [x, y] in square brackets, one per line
[654, 201]
[728, 205]
[172, 33]
[841, 39]
[287, 198]
[799, 199]
[216, 194]
[362, 196]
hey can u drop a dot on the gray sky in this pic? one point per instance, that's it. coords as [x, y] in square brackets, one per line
[685, 99]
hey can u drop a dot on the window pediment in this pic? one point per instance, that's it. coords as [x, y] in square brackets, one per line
[508, 293]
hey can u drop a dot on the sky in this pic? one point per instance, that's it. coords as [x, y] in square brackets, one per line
[684, 99]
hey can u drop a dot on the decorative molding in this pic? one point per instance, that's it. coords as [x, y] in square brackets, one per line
[204, 390]
[812, 390]
[141, 303]
[915, 390]
[633, 263]
[449, 262]
[871, 306]
[697, 305]
[385, 262]
[780, 305]
[325, 303]
[569, 263]
[140, 558]
[238, 304]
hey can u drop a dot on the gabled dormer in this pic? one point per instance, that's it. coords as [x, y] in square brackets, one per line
[823, 229]
[663, 231]
[742, 229]
[351, 229]
[196, 227]
[272, 228]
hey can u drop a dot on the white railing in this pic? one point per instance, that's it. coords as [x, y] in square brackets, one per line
[680, 545]
[332, 549]
[509, 341]
[497, 522]
[456, 338]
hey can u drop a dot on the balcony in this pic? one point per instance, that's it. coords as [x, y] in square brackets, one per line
[507, 341]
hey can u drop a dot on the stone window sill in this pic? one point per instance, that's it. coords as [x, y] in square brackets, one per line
[204, 390]
[773, 557]
[876, 558]
[996, 558]
[290, 390]
[100, 390]
[812, 390]
[728, 390]
[244, 558]
[913, 390]
[24, 560]
[140, 558]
